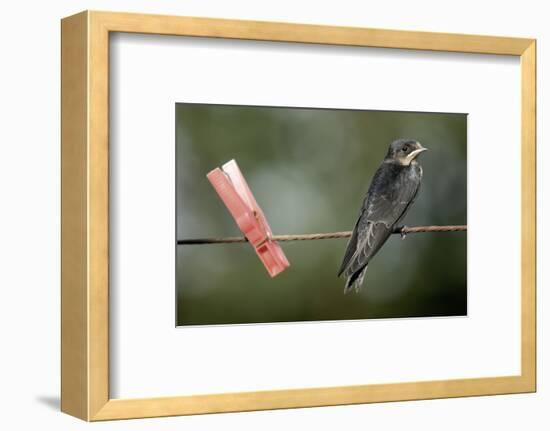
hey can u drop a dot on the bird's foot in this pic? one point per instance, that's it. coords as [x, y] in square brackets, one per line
[403, 232]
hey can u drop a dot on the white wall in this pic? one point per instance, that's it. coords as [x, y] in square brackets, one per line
[29, 215]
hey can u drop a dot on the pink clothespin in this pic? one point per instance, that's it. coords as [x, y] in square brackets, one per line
[233, 190]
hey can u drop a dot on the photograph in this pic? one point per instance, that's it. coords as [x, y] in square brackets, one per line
[260, 216]
[373, 176]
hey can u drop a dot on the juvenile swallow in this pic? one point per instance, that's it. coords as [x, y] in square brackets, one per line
[391, 193]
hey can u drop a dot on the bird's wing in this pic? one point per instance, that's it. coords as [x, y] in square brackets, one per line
[352, 246]
[379, 214]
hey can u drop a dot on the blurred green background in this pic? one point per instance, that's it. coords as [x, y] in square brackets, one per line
[309, 170]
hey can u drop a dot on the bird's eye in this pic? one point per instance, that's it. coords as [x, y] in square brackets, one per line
[405, 149]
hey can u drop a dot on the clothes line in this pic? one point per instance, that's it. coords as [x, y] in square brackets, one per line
[401, 230]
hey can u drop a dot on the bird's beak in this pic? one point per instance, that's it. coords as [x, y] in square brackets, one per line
[416, 152]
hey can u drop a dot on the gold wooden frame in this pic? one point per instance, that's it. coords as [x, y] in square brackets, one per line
[85, 225]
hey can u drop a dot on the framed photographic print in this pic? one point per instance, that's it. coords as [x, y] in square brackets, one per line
[264, 215]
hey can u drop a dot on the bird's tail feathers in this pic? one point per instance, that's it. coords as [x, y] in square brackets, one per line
[355, 280]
